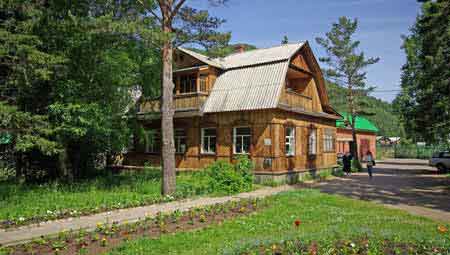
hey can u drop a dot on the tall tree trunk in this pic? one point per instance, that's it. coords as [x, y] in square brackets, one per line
[352, 112]
[167, 111]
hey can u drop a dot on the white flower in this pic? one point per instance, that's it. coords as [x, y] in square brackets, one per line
[352, 245]
[21, 219]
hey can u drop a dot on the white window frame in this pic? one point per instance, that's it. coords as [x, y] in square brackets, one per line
[289, 140]
[179, 149]
[328, 141]
[242, 141]
[202, 136]
[312, 142]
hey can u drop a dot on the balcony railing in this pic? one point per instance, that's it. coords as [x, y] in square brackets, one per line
[182, 102]
[297, 100]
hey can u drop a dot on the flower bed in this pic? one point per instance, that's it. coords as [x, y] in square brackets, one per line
[107, 236]
[357, 246]
[22, 203]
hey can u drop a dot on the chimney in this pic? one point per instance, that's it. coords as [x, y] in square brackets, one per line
[239, 48]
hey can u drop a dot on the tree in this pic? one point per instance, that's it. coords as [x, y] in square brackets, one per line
[285, 40]
[346, 68]
[179, 24]
[425, 81]
[75, 63]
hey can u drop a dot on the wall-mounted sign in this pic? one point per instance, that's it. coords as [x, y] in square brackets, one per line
[267, 141]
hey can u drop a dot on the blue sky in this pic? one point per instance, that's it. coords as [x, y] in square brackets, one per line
[263, 23]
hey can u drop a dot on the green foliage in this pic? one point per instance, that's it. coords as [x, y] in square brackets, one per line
[105, 191]
[229, 178]
[425, 96]
[71, 70]
[324, 219]
[31, 132]
[383, 115]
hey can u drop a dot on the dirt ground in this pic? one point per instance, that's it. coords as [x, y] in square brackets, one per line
[410, 185]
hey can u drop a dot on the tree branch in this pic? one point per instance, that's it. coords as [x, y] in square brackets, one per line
[150, 10]
[176, 9]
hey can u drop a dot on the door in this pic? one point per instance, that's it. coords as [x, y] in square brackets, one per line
[364, 147]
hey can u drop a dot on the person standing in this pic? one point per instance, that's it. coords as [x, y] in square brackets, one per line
[370, 163]
[347, 162]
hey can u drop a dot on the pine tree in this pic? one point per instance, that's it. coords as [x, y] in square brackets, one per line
[193, 26]
[346, 68]
[424, 101]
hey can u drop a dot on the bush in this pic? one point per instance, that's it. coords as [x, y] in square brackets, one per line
[228, 178]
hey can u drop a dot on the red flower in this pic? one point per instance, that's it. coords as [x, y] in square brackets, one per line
[297, 223]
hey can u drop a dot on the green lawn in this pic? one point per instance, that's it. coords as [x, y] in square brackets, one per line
[103, 192]
[325, 218]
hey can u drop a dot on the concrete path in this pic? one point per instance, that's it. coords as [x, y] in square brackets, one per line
[410, 185]
[27, 233]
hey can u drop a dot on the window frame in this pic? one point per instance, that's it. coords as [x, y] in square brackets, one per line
[291, 142]
[202, 136]
[150, 147]
[312, 145]
[242, 137]
[203, 78]
[188, 81]
[328, 140]
[177, 141]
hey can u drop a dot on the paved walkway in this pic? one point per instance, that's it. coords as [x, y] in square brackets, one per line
[27, 233]
[410, 185]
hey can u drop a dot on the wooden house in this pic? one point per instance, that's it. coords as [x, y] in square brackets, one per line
[270, 104]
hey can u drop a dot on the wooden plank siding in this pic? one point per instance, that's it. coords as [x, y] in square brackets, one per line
[264, 125]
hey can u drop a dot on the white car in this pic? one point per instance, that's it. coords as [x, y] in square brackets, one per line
[441, 160]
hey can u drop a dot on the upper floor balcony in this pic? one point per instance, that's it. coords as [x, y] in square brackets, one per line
[192, 87]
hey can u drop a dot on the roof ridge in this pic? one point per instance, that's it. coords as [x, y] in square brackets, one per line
[261, 49]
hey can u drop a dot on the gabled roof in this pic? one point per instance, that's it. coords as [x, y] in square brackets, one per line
[202, 58]
[362, 123]
[248, 88]
[254, 79]
[260, 56]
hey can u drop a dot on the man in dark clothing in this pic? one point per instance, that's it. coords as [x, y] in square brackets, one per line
[347, 162]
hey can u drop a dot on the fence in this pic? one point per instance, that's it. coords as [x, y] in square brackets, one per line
[408, 151]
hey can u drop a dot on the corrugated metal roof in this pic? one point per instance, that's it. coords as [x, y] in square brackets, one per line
[260, 56]
[249, 88]
[203, 58]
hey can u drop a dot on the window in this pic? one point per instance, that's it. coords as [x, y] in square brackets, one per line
[290, 141]
[208, 140]
[202, 82]
[241, 140]
[312, 142]
[188, 84]
[153, 143]
[328, 140]
[180, 141]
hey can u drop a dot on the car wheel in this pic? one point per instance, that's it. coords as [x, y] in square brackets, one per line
[441, 169]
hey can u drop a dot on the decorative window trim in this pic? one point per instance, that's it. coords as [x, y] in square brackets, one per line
[235, 138]
[329, 140]
[312, 142]
[202, 140]
[289, 140]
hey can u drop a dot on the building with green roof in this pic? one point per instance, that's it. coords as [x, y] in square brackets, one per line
[366, 135]
[361, 124]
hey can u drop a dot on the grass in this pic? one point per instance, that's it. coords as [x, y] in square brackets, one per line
[20, 201]
[324, 218]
